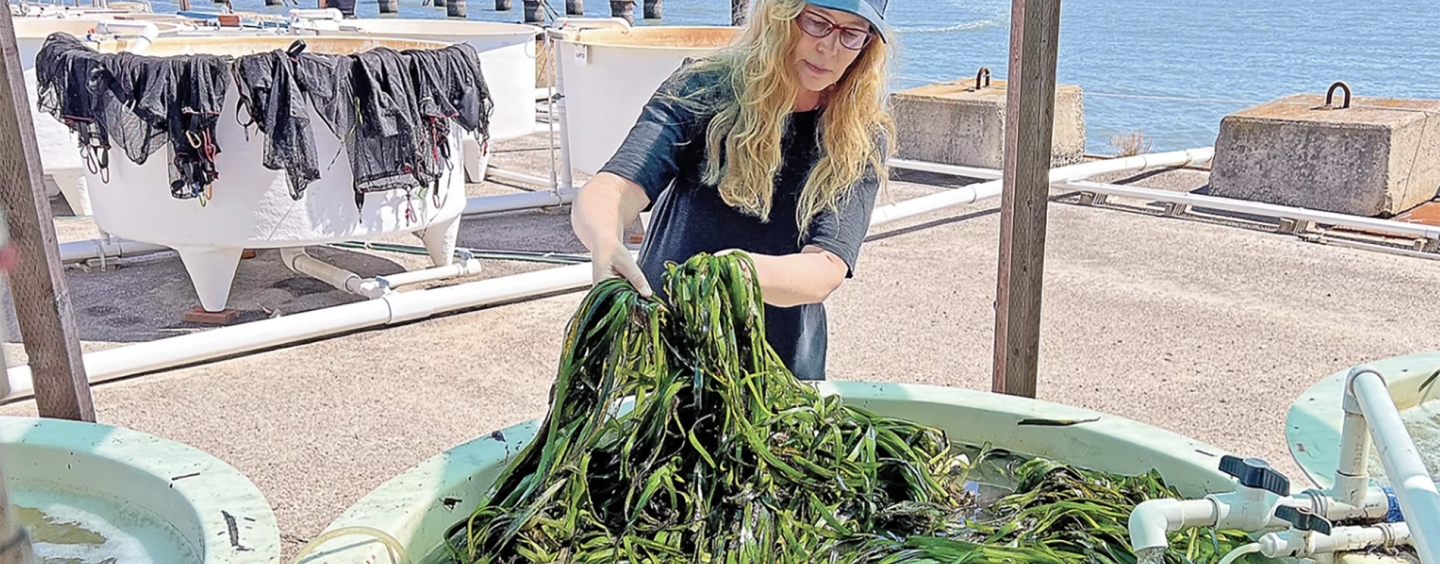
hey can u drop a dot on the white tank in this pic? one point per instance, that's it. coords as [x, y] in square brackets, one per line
[507, 59]
[251, 205]
[607, 75]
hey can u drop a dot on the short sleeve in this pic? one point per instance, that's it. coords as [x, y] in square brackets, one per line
[843, 229]
[649, 155]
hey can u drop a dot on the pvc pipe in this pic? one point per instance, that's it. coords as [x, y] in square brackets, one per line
[1413, 485]
[1373, 504]
[78, 251]
[517, 177]
[1352, 478]
[317, 14]
[975, 192]
[297, 260]
[1152, 519]
[1295, 543]
[557, 103]
[464, 267]
[396, 307]
[1262, 209]
[582, 23]
[147, 33]
[521, 201]
[939, 168]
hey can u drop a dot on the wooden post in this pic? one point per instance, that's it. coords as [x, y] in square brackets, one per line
[503, 5]
[574, 7]
[184, 5]
[455, 9]
[20, 551]
[738, 10]
[533, 12]
[385, 6]
[652, 9]
[1029, 122]
[37, 285]
[623, 9]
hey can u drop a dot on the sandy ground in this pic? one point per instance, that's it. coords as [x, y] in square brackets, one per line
[1209, 329]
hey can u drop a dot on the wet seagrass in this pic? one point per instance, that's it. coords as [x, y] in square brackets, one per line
[675, 434]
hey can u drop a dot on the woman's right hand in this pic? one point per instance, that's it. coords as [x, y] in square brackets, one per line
[612, 260]
[605, 204]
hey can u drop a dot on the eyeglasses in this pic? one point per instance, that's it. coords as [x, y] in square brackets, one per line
[818, 26]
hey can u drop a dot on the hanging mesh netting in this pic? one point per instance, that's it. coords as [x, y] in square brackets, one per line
[137, 103]
[392, 109]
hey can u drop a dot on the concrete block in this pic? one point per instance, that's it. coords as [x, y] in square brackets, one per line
[1376, 157]
[955, 123]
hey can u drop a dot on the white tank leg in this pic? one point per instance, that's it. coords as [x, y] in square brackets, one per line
[212, 270]
[477, 159]
[77, 192]
[440, 240]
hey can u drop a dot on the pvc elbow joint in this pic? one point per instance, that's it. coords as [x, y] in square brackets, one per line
[1152, 519]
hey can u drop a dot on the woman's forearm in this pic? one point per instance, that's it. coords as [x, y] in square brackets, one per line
[603, 207]
[806, 277]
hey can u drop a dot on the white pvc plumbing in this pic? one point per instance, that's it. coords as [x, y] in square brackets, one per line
[1365, 391]
[1370, 417]
[521, 201]
[299, 261]
[296, 259]
[394, 307]
[975, 192]
[1260, 209]
[517, 176]
[1295, 543]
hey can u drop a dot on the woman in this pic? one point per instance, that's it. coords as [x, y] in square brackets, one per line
[775, 146]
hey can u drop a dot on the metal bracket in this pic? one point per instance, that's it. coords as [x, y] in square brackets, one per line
[1295, 226]
[1093, 199]
[1173, 209]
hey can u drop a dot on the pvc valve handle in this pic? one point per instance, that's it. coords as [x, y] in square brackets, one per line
[1303, 519]
[1255, 473]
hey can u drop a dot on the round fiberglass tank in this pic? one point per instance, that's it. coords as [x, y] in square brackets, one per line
[1315, 420]
[606, 75]
[59, 156]
[97, 493]
[250, 206]
[507, 59]
[420, 505]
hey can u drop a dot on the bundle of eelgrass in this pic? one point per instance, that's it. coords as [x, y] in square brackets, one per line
[675, 434]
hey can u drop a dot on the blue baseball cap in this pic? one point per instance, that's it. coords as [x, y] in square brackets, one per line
[872, 10]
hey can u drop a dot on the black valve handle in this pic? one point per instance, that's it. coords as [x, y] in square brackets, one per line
[1303, 519]
[1255, 473]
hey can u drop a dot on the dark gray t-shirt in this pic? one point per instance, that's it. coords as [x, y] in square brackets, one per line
[664, 153]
